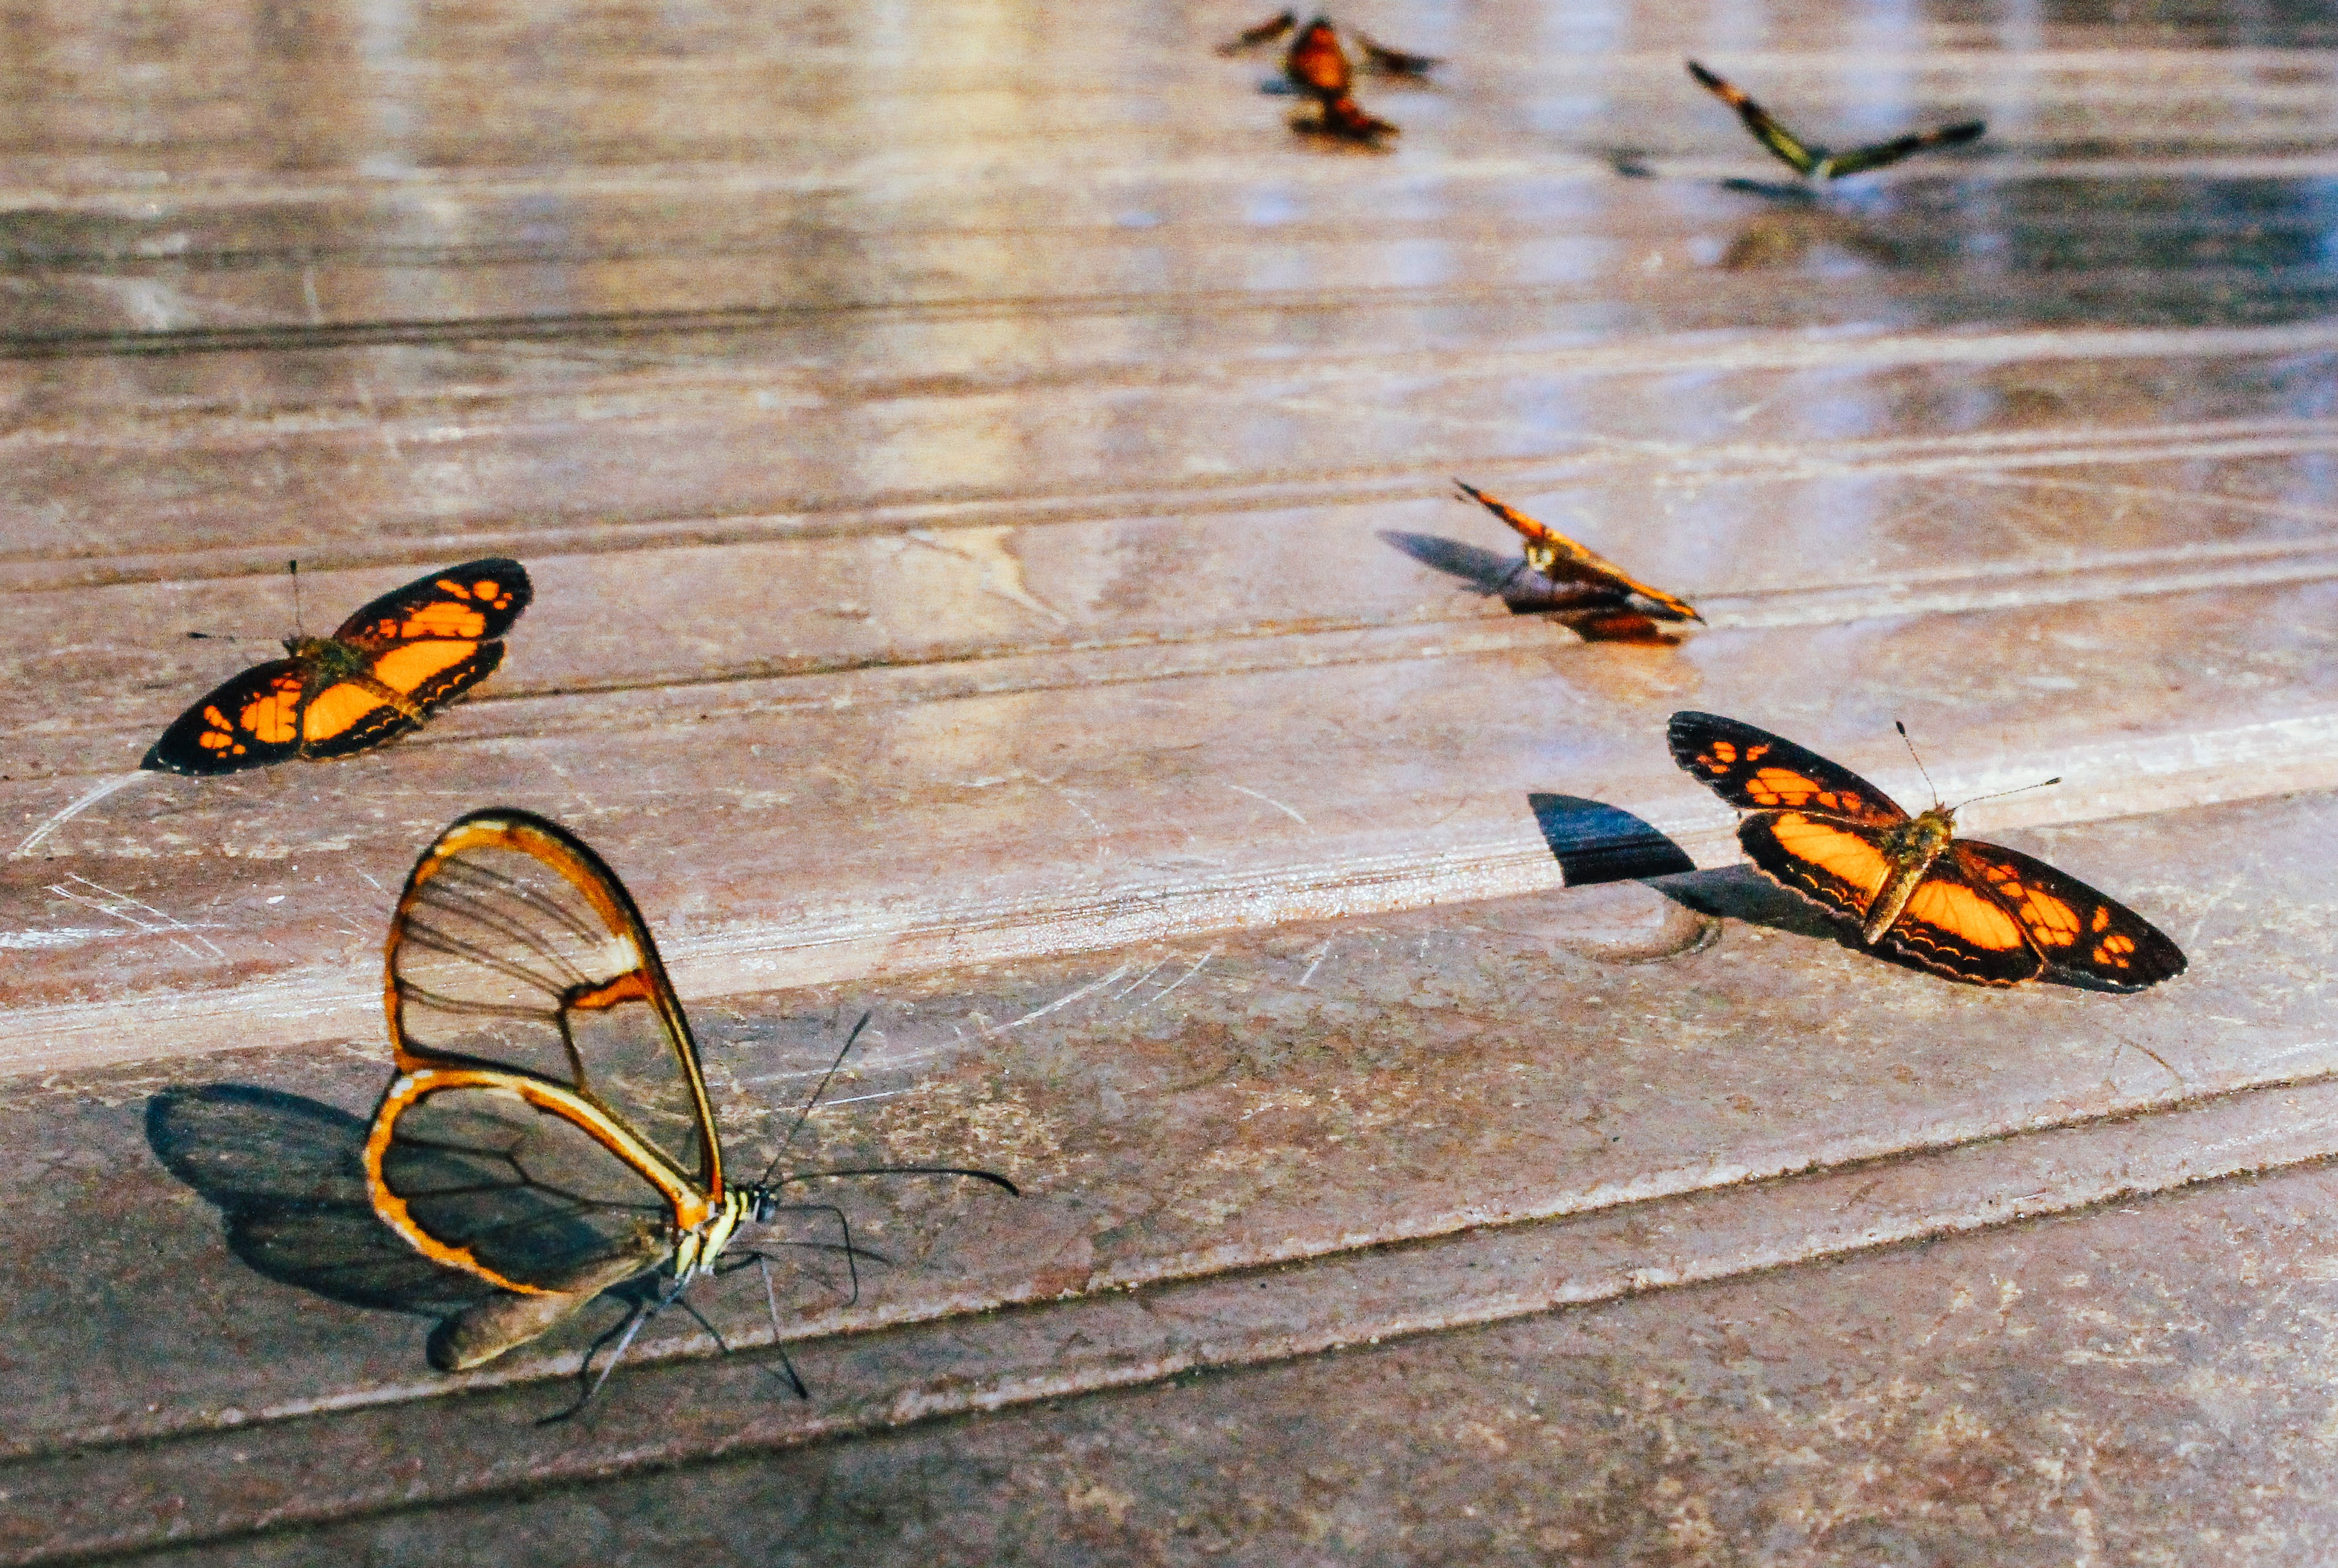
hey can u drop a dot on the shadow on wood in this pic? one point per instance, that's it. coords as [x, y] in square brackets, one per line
[1594, 842]
[287, 1176]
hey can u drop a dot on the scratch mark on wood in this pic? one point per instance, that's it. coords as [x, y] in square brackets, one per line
[1188, 974]
[1066, 1001]
[90, 798]
[1270, 799]
[120, 905]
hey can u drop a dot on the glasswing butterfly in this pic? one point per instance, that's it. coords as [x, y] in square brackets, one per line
[1598, 582]
[1972, 911]
[1817, 162]
[387, 668]
[549, 1130]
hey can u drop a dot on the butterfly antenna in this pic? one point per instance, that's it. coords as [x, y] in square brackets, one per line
[817, 1089]
[2003, 793]
[293, 567]
[1927, 772]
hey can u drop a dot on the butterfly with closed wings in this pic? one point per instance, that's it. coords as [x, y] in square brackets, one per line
[549, 1130]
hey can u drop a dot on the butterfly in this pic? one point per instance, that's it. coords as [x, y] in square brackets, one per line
[1972, 911]
[549, 1130]
[1318, 66]
[1598, 583]
[387, 668]
[1266, 31]
[1817, 162]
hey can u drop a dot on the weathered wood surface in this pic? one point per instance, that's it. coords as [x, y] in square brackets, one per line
[988, 487]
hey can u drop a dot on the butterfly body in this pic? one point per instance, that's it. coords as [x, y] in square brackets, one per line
[380, 675]
[1975, 912]
[1317, 64]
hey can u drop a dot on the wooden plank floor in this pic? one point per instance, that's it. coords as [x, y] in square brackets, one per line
[988, 488]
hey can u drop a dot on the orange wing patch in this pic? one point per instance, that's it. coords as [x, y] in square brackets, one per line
[382, 673]
[1965, 913]
[1778, 787]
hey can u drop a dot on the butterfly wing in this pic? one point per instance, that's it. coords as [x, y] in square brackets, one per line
[349, 716]
[2076, 930]
[1956, 925]
[1395, 62]
[426, 644]
[1815, 826]
[474, 602]
[1572, 562]
[1755, 771]
[1266, 31]
[528, 1185]
[250, 721]
[1859, 160]
[1343, 116]
[515, 948]
[1766, 130]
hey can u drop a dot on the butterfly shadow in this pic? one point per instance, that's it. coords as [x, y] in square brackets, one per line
[286, 1174]
[1591, 614]
[1596, 842]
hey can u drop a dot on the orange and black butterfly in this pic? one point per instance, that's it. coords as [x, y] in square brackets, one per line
[1971, 911]
[1817, 162]
[1590, 581]
[386, 669]
[1266, 31]
[549, 1130]
[1318, 67]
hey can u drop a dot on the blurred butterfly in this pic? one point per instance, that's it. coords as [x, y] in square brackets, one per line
[1817, 162]
[1588, 583]
[1972, 911]
[1266, 31]
[1318, 66]
[390, 666]
[549, 1130]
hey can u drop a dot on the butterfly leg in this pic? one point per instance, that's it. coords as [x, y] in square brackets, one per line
[771, 1301]
[624, 1334]
[690, 1306]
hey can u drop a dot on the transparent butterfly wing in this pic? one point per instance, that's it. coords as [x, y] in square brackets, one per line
[515, 947]
[520, 1181]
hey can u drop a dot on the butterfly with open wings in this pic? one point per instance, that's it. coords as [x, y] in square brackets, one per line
[1972, 911]
[549, 1130]
[388, 667]
[1816, 162]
